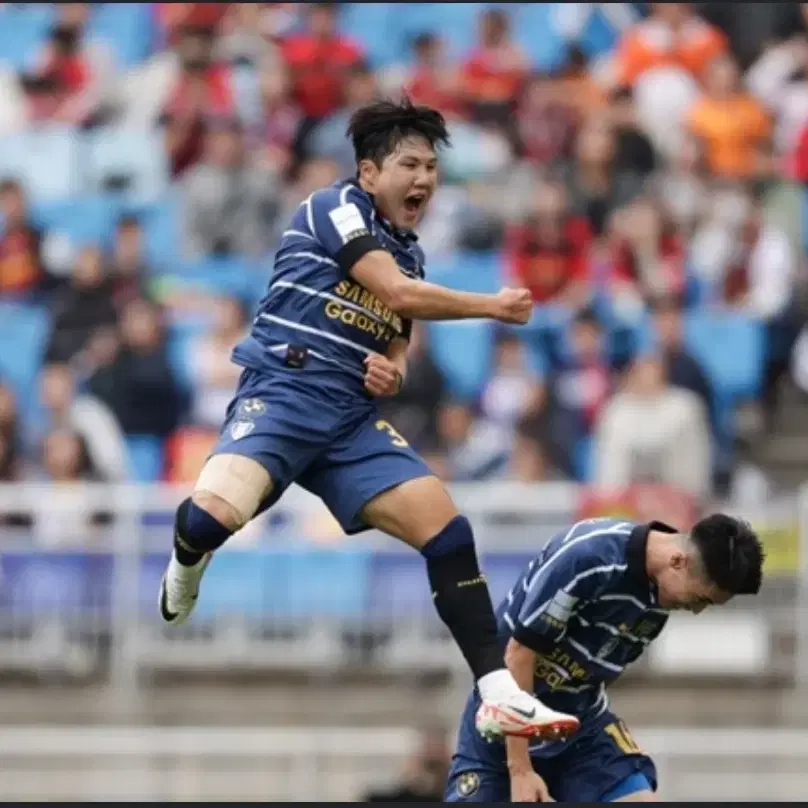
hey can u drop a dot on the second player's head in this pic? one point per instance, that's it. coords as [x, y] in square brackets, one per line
[721, 557]
[396, 156]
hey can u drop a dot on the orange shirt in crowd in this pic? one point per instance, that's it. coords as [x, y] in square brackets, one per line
[732, 130]
[653, 44]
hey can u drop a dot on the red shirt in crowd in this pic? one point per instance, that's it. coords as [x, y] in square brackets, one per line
[172, 16]
[494, 75]
[428, 87]
[317, 67]
[549, 267]
[625, 269]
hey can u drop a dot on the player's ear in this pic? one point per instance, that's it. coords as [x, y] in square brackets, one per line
[678, 560]
[368, 173]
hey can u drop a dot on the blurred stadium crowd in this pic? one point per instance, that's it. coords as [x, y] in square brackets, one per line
[625, 161]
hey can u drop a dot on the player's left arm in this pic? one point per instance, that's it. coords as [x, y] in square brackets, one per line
[384, 374]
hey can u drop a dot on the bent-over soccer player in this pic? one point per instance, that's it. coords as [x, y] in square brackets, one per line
[584, 609]
[330, 336]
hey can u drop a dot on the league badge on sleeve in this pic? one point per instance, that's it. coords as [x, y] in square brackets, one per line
[252, 407]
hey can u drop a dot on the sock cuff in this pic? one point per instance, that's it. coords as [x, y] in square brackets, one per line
[198, 529]
[455, 536]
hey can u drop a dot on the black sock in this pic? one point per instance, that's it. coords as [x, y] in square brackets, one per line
[196, 532]
[461, 596]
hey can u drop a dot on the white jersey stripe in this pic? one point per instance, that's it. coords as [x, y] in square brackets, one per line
[307, 290]
[316, 331]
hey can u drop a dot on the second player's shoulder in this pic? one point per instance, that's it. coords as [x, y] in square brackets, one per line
[600, 538]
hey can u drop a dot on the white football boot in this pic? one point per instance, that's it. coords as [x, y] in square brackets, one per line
[524, 716]
[179, 589]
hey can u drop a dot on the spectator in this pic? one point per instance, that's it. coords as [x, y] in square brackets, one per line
[318, 60]
[81, 308]
[578, 381]
[229, 205]
[681, 368]
[545, 121]
[731, 125]
[648, 256]
[243, 40]
[137, 383]
[88, 418]
[527, 462]
[653, 433]
[10, 459]
[174, 18]
[127, 264]
[634, 152]
[196, 88]
[595, 185]
[272, 135]
[549, 251]
[493, 74]
[80, 73]
[65, 458]
[213, 375]
[432, 81]
[672, 37]
[21, 268]
[328, 139]
[424, 775]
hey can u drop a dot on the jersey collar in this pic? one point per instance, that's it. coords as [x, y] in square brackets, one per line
[636, 553]
[401, 235]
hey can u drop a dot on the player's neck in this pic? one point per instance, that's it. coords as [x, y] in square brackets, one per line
[657, 552]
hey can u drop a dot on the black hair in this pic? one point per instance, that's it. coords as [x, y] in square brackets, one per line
[426, 39]
[731, 552]
[378, 128]
[589, 317]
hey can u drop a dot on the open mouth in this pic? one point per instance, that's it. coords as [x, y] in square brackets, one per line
[414, 202]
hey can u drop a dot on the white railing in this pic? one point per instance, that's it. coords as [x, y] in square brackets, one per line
[507, 517]
[328, 765]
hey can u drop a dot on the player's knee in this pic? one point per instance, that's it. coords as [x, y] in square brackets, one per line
[217, 509]
[199, 528]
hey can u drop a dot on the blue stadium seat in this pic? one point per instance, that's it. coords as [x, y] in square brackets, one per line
[23, 333]
[47, 161]
[463, 352]
[162, 228]
[145, 457]
[537, 32]
[22, 33]
[127, 27]
[373, 25]
[731, 350]
[83, 220]
[137, 157]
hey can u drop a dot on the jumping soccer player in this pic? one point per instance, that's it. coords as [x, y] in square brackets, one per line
[331, 335]
[582, 611]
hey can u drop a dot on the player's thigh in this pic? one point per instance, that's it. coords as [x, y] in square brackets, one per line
[371, 477]
[605, 765]
[477, 786]
[267, 440]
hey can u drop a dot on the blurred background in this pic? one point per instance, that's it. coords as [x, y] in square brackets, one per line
[641, 167]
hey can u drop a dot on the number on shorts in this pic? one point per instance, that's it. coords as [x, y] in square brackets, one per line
[396, 437]
[620, 734]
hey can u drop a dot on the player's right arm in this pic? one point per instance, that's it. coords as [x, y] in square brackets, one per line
[341, 222]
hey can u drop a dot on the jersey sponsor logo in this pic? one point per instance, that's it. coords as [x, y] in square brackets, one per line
[348, 222]
[468, 784]
[240, 429]
[380, 320]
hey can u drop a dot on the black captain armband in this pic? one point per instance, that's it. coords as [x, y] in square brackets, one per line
[359, 246]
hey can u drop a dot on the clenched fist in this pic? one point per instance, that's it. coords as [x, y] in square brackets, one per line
[381, 376]
[514, 306]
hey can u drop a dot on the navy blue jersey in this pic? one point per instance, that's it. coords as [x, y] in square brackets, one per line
[588, 609]
[313, 303]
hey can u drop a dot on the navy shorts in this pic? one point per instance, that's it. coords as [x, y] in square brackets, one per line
[335, 446]
[600, 764]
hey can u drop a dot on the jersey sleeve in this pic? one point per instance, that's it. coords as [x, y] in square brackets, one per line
[575, 573]
[341, 221]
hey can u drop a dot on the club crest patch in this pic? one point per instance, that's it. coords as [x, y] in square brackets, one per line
[240, 429]
[468, 784]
